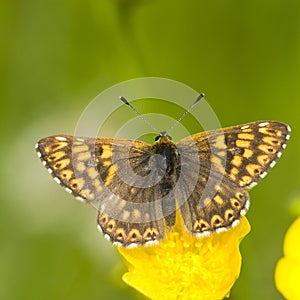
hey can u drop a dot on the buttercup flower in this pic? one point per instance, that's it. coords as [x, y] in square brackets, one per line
[287, 274]
[184, 267]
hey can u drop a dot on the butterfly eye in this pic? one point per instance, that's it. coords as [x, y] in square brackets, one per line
[169, 137]
[157, 138]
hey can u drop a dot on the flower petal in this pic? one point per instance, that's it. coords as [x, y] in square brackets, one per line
[185, 267]
[287, 271]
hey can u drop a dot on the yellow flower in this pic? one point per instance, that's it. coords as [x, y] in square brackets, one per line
[287, 273]
[184, 267]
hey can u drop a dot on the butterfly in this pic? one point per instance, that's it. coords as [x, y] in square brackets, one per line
[137, 187]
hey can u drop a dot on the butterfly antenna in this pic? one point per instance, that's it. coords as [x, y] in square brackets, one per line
[138, 114]
[186, 112]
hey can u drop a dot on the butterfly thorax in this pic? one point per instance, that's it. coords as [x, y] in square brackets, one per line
[167, 157]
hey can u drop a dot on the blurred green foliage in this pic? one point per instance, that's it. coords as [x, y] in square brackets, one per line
[55, 56]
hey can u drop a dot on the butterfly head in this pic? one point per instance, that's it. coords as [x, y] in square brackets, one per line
[163, 137]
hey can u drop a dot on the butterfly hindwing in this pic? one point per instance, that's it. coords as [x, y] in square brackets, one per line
[213, 208]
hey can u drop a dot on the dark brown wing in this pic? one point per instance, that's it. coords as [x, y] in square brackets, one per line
[230, 161]
[114, 176]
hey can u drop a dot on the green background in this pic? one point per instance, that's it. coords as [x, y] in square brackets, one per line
[56, 56]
